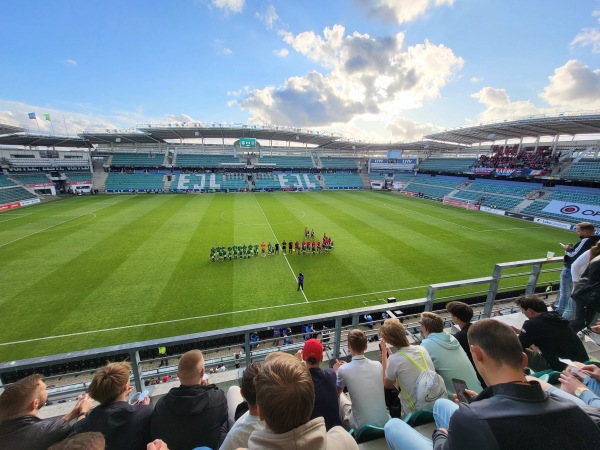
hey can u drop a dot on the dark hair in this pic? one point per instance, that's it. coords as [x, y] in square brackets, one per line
[533, 301]
[16, 397]
[595, 250]
[498, 341]
[460, 310]
[248, 387]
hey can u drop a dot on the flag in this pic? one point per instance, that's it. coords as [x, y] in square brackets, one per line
[32, 115]
[47, 116]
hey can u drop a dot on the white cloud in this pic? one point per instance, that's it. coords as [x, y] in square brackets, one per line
[220, 48]
[70, 62]
[283, 52]
[588, 36]
[400, 11]
[229, 6]
[365, 76]
[269, 17]
[476, 79]
[573, 86]
[498, 105]
[404, 129]
[68, 122]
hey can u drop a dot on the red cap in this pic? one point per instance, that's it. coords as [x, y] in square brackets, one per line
[313, 349]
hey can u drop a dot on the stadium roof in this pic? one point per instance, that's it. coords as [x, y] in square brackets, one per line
[43, 140]
[183, 131]
[10, 127]
[119, 137]
[531, 126]
[364, 147]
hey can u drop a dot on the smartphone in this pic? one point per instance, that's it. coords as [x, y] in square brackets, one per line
[459, 388]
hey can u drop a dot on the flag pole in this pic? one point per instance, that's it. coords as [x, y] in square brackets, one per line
[38, 124]
[65, 120]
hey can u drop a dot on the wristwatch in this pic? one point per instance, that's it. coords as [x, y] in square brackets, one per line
[580, 390]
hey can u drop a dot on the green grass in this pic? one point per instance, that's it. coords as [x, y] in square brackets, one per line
[127, 268]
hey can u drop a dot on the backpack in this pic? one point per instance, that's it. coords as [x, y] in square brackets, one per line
[428, 388]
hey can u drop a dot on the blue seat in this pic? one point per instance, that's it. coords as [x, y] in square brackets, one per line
[420, 417]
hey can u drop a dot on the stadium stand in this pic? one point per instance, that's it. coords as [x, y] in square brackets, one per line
[286, 181]
[584, 169]
[434, 187]
[329, 162]
[288, 162]
[340, 180]
[127, 182]
[14, 194]
[31, 178]
[514, 188]
[79, 176]
[189, 161]
[450, 165]
[5, 181]
[138, 160]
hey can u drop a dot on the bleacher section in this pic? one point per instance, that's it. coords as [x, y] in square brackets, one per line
[31, 178]
[584, 169]
[138, 160]
[495, 201]
[5, 181]
[451, 165]
[79, 176]
[329, 162]
[504, 187]
[14, 194]
[343, 181]
[290, 181]
[289, 162]
[434, 187]
[586, 196]
[126, 182]
[202, 161]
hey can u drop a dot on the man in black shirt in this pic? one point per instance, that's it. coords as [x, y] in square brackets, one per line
[550, 333]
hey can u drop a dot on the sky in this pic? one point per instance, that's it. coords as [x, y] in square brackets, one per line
[370, 70]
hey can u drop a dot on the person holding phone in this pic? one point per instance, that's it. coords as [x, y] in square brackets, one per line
[511, 413]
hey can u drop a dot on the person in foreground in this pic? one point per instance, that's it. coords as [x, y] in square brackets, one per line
[511, 413]
[285, 396]
[123, 425]
[20, 426]
[193, 414]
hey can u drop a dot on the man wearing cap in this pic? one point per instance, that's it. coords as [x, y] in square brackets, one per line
[326, 398]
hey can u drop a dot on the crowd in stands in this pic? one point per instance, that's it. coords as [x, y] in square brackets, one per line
[510, 157]
[479, 398]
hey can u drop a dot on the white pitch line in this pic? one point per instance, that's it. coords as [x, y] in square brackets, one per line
[276, 240]
[507, 229]
[53, 226]
[185, 319]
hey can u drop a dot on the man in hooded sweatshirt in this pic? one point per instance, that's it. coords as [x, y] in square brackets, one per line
[449, 358]
[285, 396]
[193, 414]
[550, 333]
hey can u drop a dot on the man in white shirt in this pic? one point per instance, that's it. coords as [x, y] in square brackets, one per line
[364, 380]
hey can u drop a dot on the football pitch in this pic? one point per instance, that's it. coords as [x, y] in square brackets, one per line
[93, 271]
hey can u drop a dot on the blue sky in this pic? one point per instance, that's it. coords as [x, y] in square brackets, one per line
[374, 70]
